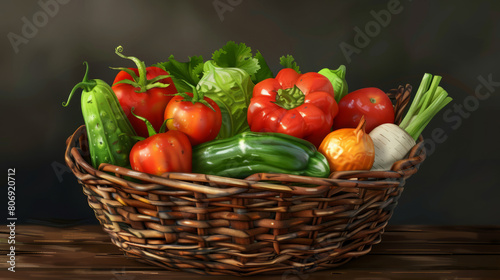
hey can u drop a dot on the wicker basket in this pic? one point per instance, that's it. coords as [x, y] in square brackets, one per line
[266, 223]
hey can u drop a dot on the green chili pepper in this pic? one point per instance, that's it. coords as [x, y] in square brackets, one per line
[249, 152]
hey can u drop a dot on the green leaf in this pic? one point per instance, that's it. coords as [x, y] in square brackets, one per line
[198, 71]
[183, 73]
[236, 55]
[289, 62]
[264, 72]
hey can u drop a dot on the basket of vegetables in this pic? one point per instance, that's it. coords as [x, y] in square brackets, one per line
[221, 167]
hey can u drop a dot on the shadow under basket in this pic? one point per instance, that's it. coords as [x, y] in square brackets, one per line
[264, 224]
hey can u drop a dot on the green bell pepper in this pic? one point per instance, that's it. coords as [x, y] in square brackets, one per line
[249, 152]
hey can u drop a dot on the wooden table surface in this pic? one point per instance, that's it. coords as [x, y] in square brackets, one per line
[406, 252]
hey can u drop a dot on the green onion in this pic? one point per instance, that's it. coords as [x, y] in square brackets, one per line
[429, 100]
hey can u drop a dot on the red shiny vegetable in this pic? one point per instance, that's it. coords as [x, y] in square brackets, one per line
[370, 102]
[161, 152]
[147, 89]
[301, 105]
[198, 116]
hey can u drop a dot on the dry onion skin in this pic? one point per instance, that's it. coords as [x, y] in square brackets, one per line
[349, 148]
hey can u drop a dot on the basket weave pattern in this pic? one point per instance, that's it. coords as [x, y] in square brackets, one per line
[266, 223]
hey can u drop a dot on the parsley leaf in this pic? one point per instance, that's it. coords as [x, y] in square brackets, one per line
[289, 62]
[184, 74]
[264, 72]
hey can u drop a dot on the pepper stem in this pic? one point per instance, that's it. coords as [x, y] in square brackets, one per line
[290, 98]
[85, 84]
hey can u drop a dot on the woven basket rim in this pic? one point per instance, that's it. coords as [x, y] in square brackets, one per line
[403, 168]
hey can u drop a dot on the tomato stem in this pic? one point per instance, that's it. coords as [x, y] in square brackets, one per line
[141, 66]
[140, 81]
[163, 127]
[198, 97]
[151, 129]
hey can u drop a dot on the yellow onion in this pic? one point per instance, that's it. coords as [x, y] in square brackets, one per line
[349, 148]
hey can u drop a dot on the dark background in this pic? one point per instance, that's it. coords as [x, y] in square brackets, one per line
[457, 184]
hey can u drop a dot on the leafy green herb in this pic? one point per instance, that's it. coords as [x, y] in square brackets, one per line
[234, 55]
[264, 72]
[241, 56]
[289, 62]
[184, 74]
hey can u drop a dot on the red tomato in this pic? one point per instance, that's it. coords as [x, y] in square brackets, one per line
[149, 104]
[163, 152]
[371, 102]
[197, 120]
[146, 89]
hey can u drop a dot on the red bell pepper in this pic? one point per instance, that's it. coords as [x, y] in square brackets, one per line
[301, 105]
[147, 89]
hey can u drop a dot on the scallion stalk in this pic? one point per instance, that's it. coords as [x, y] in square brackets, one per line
[429, 100]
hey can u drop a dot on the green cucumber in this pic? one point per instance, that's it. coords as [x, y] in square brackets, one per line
[249, 152]
[110, 134]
